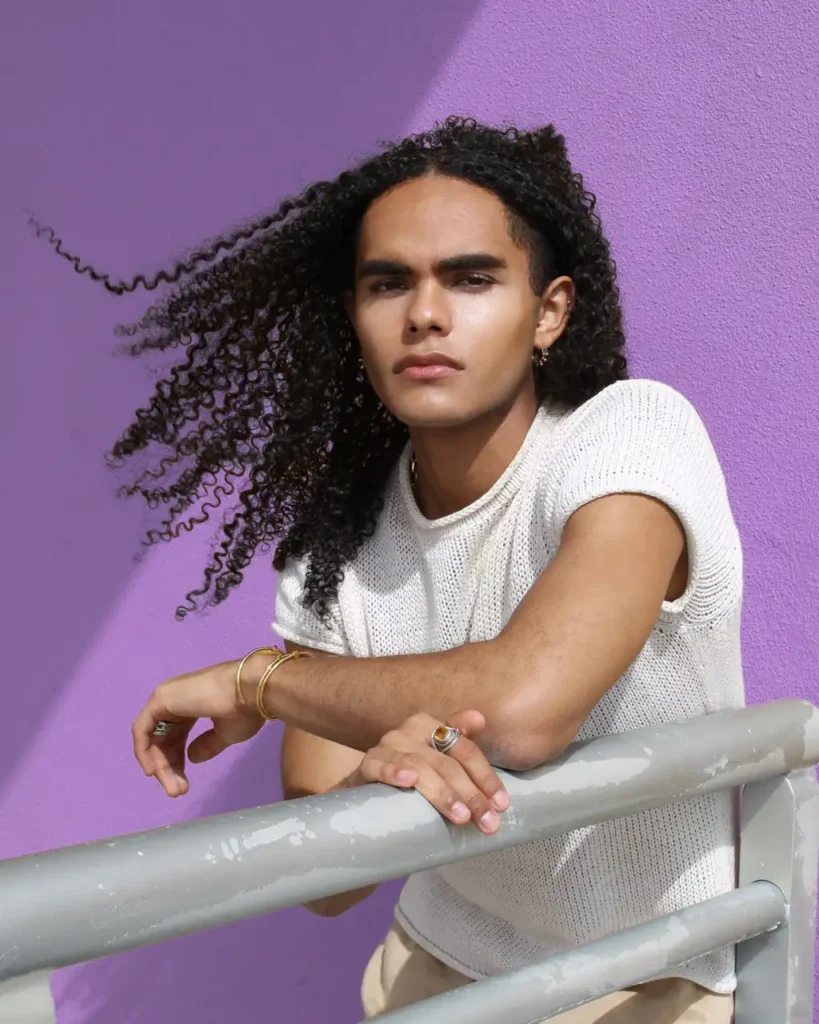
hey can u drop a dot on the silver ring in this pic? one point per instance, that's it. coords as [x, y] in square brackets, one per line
[444, 738]
[162, 729]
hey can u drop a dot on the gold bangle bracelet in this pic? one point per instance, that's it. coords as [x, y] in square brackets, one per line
[268, 672]
[256, 650]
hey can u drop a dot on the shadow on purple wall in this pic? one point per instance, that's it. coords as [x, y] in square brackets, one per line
[137, 134]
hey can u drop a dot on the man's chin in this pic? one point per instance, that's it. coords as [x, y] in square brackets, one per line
[443, 416]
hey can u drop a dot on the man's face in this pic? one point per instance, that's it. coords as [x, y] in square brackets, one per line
[437, 271]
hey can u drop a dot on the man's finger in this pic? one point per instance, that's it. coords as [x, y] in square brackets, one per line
[173, 780]
[473, 761]
[206, 746]
[375, 769]
[167, 761]
[142, 729]
[450, 792]
[469, 722]
[456, 777]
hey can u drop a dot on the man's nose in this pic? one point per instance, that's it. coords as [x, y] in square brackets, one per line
[428, 313]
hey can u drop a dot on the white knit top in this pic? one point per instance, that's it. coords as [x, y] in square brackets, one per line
[420, 585]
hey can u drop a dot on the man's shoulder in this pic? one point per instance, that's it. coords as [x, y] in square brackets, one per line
[632, 398]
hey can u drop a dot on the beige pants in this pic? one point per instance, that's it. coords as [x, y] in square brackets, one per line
[400, 972]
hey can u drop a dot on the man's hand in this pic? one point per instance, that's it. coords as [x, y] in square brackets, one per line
[462, 784]
[208, 693]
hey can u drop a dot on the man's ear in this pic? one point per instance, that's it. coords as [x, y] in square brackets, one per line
[556, 304]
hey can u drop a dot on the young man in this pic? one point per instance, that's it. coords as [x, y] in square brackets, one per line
[416, 375]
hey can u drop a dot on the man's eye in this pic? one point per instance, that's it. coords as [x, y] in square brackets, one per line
[475, 280]
[387, 286]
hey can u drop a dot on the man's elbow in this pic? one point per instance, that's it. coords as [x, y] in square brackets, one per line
[523, 739]
[518, 754]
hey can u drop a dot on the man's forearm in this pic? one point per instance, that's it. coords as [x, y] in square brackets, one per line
[355, 701]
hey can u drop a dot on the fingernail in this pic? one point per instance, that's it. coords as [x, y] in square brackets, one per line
[500, 801]
[460, 811]
[490, 822]
[406, 777]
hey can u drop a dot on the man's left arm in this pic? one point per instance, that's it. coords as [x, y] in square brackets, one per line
[578, 629]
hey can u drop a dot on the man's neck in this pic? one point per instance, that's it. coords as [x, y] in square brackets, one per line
[456, 466]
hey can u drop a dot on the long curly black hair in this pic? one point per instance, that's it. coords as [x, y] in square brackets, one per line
[270, 407]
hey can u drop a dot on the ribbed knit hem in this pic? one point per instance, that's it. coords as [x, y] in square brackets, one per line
[723, 988]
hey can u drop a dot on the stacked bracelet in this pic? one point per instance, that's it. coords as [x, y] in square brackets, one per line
[256, 650]
[280, 659]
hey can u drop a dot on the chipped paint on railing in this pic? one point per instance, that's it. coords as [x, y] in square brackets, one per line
[380, 816]
[292, 829]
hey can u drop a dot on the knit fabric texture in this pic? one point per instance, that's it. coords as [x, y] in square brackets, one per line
[420, 585]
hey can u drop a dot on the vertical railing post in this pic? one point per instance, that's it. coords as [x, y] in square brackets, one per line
[779, 843]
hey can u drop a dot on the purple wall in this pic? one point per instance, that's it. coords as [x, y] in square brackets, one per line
[139, 129]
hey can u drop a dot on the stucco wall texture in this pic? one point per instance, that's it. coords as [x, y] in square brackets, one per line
[140, 129]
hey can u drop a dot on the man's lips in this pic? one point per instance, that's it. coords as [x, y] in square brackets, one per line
[427, 366]
[430, 371]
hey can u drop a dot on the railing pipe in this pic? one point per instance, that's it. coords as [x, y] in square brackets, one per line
[611, 964]
[83, 902]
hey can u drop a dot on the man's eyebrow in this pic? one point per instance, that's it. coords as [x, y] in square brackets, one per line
[472, 261]
[383, 268]
[465, 261]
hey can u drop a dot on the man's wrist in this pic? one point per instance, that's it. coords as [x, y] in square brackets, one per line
[252, 672]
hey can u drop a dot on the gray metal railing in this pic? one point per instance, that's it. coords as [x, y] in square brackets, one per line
[83, 902]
